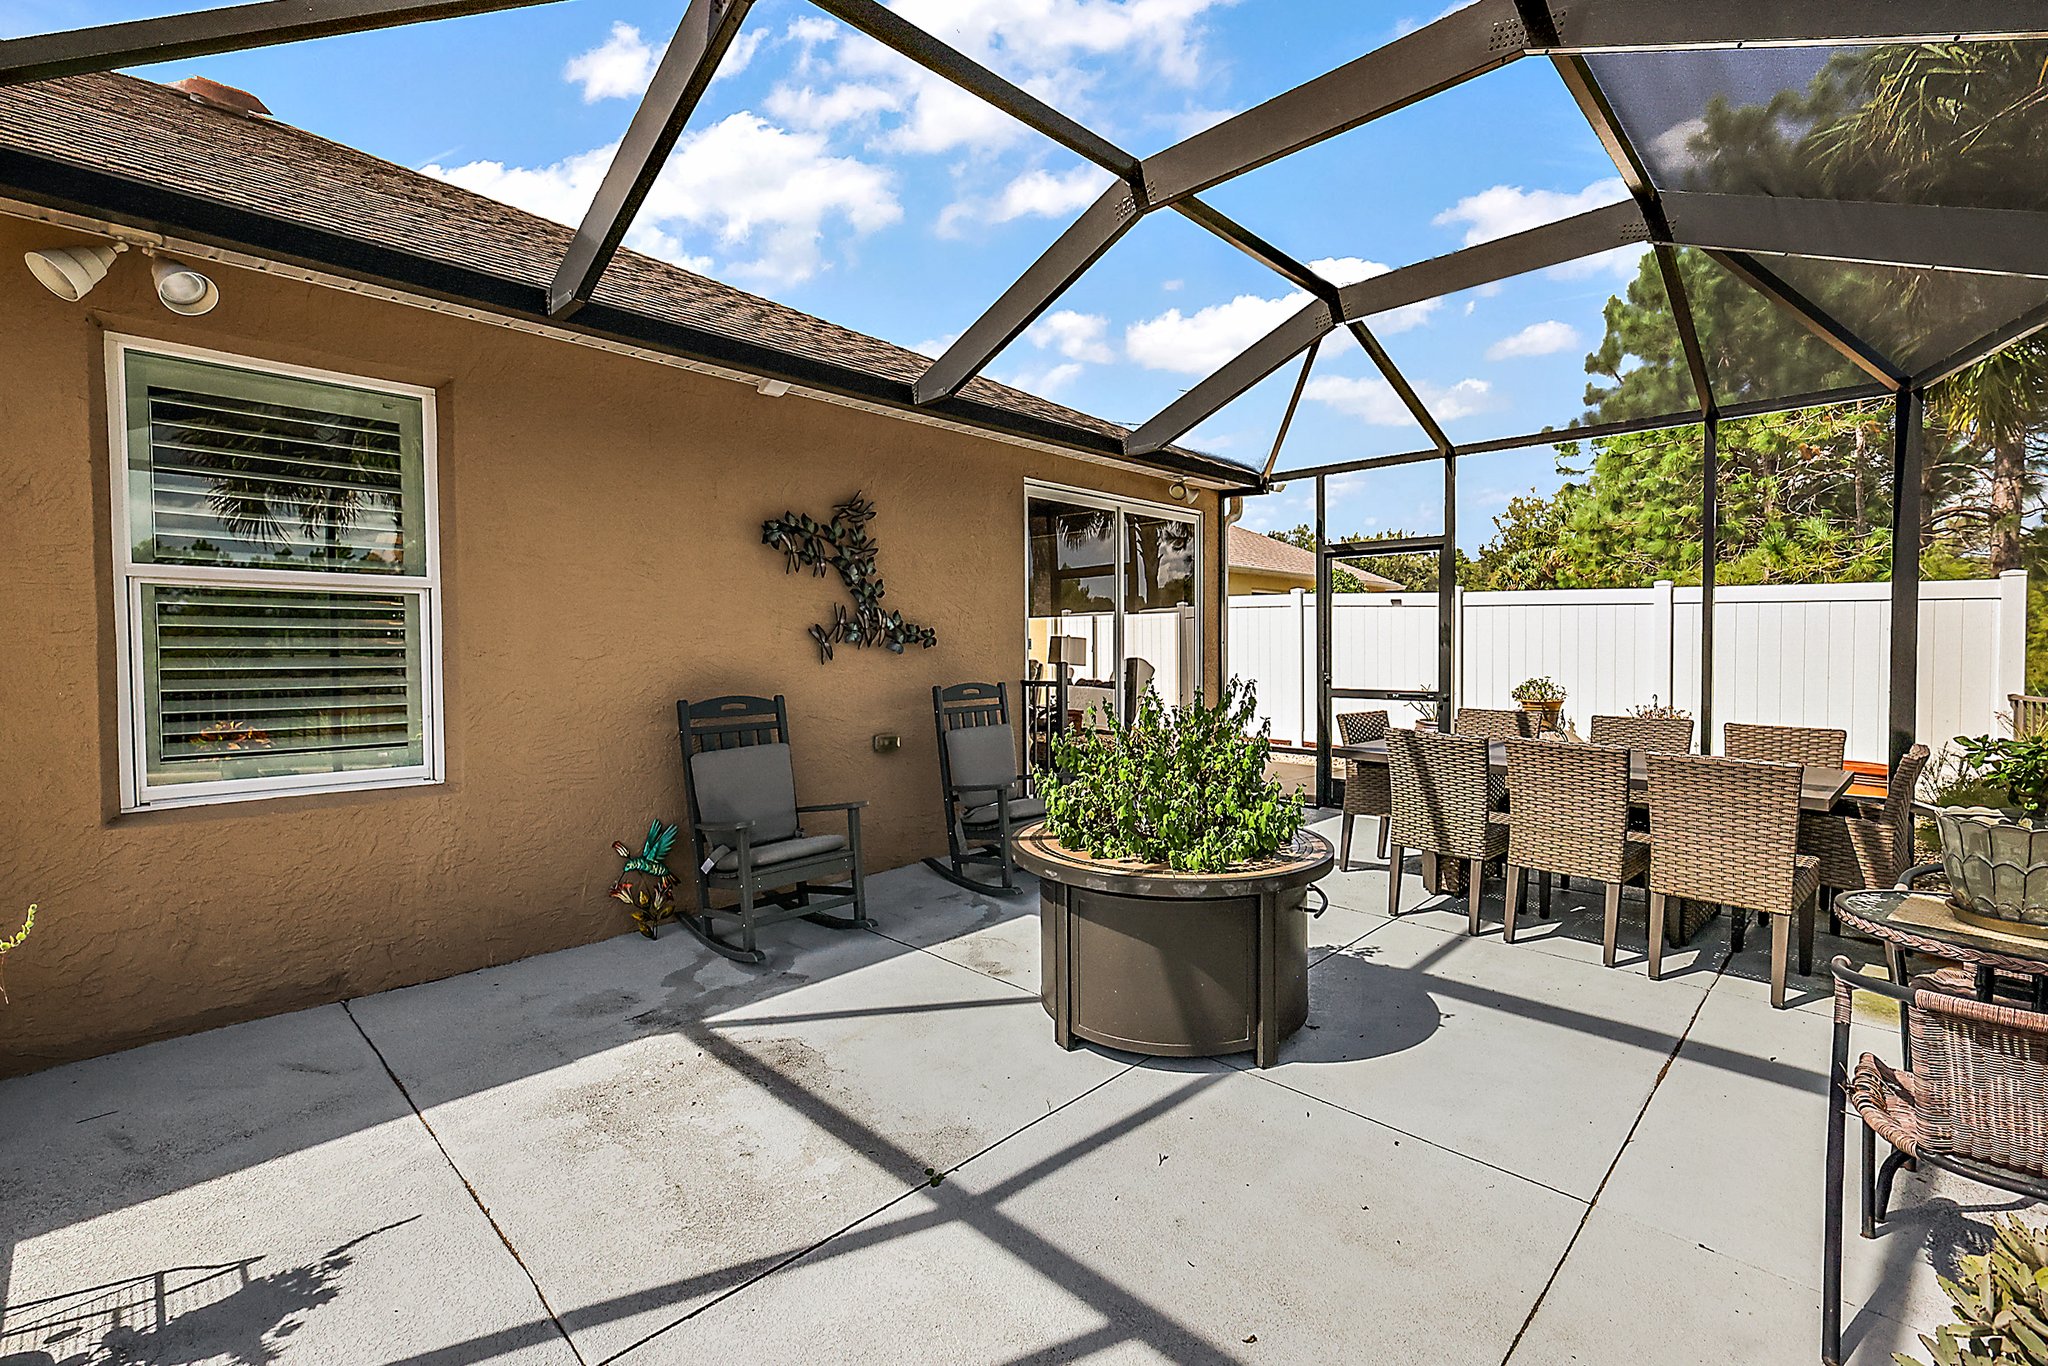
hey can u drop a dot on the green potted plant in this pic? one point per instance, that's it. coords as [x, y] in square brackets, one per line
[1542, 698]
[2000, 1302]
[1993, 823]
[1173, 879]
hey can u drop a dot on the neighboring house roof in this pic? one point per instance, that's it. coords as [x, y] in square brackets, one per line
[133, 151]
[1264, 554]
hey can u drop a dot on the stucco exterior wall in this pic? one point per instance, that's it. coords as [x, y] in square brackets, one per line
[600, 539]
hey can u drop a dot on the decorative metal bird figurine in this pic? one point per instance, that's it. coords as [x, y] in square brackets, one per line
[645, 885]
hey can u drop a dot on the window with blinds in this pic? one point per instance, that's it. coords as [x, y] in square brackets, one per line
[278, 581]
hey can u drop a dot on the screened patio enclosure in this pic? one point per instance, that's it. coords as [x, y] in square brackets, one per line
[1765, 152]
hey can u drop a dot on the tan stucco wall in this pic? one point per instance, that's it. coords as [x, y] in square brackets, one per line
[601, 554]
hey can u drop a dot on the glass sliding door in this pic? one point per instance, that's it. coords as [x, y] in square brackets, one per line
[1113, 592]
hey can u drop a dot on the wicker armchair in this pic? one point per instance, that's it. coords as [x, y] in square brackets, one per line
[1865, 846]
[1444, 795]
[1651, 734]
[1727, 833]
[1808, 746]
[1367, 789]
[1568, 808]
[1975, 1103]
[2029, 714]
[1495, 725]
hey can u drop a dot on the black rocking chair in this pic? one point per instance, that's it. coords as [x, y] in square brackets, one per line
[748, 830]
[979, 783]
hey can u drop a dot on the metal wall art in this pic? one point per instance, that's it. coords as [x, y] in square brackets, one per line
[845, 545]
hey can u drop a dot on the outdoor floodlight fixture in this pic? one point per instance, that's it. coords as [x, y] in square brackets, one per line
[773, 388]
[182, 289]
[71, 272]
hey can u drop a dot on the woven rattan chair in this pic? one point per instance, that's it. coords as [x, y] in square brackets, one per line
[1495, 725]
[1727, 833]
[1444, 794]
[1568, 813]
[1367, 789]
[2029, 714]
[1808, 746]
[1975, 1103]
[1651, 734]
[1866, 846]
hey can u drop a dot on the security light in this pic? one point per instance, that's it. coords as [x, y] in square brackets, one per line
[182, 289]
[71, 272]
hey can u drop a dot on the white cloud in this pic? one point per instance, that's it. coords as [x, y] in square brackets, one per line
[936, 346]
[1199, 343]
[1047, 35]
[1048, 382]
[1349, 270]
[1035, 194]
[834, 108]
[763, 193]
[1537, 339]
[1375, 401]
[741, 54]
[1671, 150]
[1077, 336]
[1508, 209]
[618, 68]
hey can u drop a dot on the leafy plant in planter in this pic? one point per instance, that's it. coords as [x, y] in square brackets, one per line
[2001, 1304]
[1183, 787]
[1993, 820]
[1543, 692]
[1658, 711]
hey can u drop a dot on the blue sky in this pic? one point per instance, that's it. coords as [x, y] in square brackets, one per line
[827, 173]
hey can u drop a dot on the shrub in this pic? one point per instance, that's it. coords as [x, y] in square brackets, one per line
[2001, 1304]
[2016, 767]
[1185, 787]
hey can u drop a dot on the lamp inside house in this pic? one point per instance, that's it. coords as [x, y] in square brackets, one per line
[1067, 650]
[71, 272]
[182, 289]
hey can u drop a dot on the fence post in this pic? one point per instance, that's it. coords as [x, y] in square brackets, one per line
[1305, 668]
[1663, 644]
[2010, 648]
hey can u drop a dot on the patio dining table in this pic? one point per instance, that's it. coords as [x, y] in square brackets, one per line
[1819, 788]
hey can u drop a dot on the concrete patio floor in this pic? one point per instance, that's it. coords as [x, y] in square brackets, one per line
[871, 1151]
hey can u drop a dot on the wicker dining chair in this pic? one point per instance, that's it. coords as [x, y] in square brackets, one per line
[1974, 1103]
[1861, 846]
[1568, 811]
[1810, 746]
[1727, 833]
[1444, 794]
[1367, 789]
[1492, 724]
[1651, 734]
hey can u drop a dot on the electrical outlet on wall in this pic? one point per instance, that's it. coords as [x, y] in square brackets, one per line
[888, 744]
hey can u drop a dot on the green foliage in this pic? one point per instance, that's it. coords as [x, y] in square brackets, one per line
[2017, 767]
[1659, 711]
[1543, 689]
[20, 936]
[2001, 1304]
[1415, 573]
[1185, 787]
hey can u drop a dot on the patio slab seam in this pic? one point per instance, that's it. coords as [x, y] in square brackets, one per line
[468, 1186]
[1664, 1071]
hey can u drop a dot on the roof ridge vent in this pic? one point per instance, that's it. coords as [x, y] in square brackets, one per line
[224, 97]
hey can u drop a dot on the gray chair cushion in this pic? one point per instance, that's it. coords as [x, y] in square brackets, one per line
[783, 851]
[982, 754]
[750, 783]
[1021, 809]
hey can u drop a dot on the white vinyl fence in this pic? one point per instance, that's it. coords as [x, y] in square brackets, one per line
[1803, 654]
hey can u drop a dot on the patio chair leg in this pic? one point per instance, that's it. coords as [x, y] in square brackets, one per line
[1869, 1181]
[1885, 1174]
[1831, 1212]
[1386, 826]
[1613, 931]
[1543, 897]
[1806, 921]
[1344, 844]
[1517, 889]
[1475, 878]
[1781, 954]
[1895, 959]
[1657, 900]
[1394, 880]
[1738, 924]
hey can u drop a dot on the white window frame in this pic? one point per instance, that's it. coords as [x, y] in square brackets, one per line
[1109, 502]
[137, 792]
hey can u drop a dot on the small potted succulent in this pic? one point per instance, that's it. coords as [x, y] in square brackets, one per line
[1543, 699]
[1994, 831]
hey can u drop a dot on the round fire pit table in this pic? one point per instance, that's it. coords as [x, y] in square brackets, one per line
[1175, 965]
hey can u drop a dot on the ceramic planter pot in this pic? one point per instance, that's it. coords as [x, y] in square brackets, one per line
[1997, 867]
[1544, 714]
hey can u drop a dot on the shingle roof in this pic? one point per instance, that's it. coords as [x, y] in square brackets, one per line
[1253, 550]
[144, 132]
